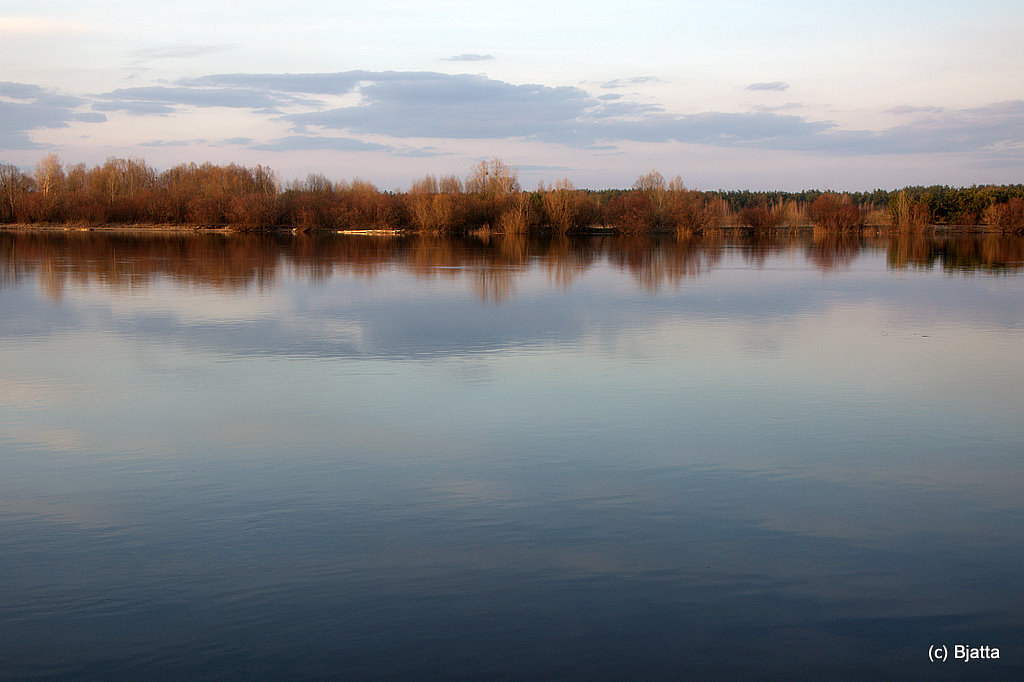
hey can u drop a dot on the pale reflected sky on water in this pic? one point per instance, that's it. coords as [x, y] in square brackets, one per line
[761, 455]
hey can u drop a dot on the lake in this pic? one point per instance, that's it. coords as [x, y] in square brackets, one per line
[378, 457]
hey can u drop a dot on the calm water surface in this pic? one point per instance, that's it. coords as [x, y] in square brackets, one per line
[250, 457]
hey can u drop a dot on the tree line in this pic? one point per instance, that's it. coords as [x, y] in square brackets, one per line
[490, 197]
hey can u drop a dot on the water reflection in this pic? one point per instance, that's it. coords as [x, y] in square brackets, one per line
[991, 253]
[832, 250]
[490, 264]
[360, 457]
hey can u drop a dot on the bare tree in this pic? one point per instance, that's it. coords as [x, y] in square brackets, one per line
[690, 211]
[557, 202]
[49, 175]
[492, 179]
[835, 212]
[430, 208]
[14, 185]
[566, 207]
[652, 186]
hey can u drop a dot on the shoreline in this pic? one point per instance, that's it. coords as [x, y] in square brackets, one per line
[597, 230]
[126, 227]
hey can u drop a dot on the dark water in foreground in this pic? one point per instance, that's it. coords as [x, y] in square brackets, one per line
[358, 457]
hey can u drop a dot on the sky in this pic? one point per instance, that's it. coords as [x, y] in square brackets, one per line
[783, 95]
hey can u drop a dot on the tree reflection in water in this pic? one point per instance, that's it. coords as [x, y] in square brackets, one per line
[490, 264]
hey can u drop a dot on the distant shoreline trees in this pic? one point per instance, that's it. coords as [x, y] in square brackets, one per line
[490, 198]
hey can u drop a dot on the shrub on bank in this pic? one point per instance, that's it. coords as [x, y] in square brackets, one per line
[127, 191]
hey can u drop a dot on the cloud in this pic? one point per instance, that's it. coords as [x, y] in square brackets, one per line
[339, 83]
[789, 106]
[420, 152]
[914, 110]
[776, 86]
[464, 106]
[33, 108]
[991, 128]
[90, 117]
[628, 82]
[435, 105]
[136, 108]
[21, 90]
[719, 129]
[469, 57]
[159, 99]
[424, 104]
[177, 52]
[171, 143]
[315, 142]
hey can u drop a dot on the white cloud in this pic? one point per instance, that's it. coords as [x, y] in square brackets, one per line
[143, 55]
[469, 57]
[776, 86]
